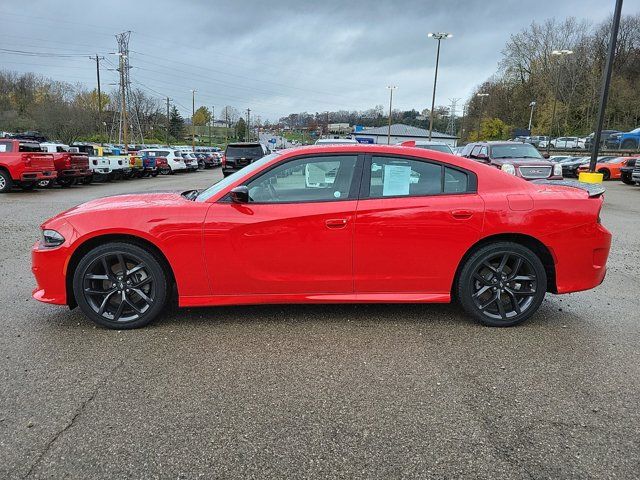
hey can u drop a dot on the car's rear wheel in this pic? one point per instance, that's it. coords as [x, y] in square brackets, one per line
[45, 183]
[606, 175]
[626, 179]
[502, 284]
[120, 285]
[66, 181]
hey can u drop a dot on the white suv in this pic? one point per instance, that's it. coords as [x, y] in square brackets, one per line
[174, 158]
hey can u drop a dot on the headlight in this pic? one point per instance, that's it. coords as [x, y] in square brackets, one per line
[557, 170]
[508, 168]
[51, 238]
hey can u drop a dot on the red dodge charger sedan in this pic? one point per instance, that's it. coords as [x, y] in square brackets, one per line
[330, 224]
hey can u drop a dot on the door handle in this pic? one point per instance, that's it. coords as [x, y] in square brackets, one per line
[461, 214]
[336, 223]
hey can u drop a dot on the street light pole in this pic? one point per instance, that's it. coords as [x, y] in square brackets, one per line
[391, 89]
[558, 53]
[606, 80]
[532, 105]
[481, 95]
[437, 36]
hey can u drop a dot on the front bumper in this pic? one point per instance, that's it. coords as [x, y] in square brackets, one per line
[48, 266]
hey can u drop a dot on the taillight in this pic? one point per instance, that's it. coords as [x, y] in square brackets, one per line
[27, 160]
[224, 160]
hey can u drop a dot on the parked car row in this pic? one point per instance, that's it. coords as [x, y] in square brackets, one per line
[609, 140]
[28, 164]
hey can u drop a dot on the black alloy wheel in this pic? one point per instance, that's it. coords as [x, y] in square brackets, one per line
[502, 284]
[120, 285]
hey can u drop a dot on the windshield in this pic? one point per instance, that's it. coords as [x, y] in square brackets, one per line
[520, 150]
[225, 182]
[254, 152]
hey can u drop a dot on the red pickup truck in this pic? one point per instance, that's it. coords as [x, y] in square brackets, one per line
[71, 166]
[23, 163]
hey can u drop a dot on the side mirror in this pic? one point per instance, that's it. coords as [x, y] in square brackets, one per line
[240, 194]
[545, 155]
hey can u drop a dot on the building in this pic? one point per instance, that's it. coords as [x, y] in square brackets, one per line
[339, 128]
[402, 133]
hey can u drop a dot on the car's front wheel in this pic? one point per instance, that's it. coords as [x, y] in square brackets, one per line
[502, 284]
[120, 285]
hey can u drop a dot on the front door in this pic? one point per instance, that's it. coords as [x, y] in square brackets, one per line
[295, 236]
[414, 222]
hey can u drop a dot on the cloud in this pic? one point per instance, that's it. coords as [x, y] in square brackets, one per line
[279, 57]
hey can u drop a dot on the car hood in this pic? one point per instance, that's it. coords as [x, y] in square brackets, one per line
[127, 201]
[523, 161]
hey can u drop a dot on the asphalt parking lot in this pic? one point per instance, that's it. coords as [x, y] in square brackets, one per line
[355, 391]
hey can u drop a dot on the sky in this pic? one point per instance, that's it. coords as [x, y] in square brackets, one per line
[279, 57]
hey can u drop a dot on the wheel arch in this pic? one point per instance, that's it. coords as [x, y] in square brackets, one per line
[532, 243]
[98, 240]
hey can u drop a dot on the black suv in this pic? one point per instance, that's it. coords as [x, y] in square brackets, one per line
[239, 155]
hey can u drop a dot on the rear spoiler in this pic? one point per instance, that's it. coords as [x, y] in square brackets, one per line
[593, 189]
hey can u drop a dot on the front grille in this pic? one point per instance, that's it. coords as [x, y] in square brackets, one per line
[535, 172]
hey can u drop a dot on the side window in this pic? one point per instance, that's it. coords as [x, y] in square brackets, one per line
[484, 151]
[313, 179]
[475, 151]
[396, 176]
[455, 181]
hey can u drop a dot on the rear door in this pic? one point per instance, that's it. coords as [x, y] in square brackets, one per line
[414, 222]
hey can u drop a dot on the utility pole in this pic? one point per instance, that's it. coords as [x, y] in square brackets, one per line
[436, 36]
[391, 89]
[451, 125]
[97, 59]
[606, 80]
[168, 122]
[226, 130]
[558, 53]
[123, 99]
[193, 125]
[532, 105]
[247, 134]
[481, 95]
[211, 120]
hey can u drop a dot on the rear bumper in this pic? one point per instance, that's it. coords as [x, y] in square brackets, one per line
[38, 175]
[580, 256]
[74, 173]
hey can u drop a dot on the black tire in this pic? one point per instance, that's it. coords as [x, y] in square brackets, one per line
[98, 284]
[155, 173]
[66, 181]
[628, 144]
[626, 179]
[6, 183]
[87, 180]
[45, 184]
[489, 283]
[28, 186]
[606, 174]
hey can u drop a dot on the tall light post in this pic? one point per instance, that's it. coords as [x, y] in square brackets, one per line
[532, 105]
[482, 96]
[391, 89]
[439, 37]
[559, 54]
[606, 80]
[193, 125]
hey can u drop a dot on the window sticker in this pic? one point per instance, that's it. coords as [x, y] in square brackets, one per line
[3, 147]
[396, 180]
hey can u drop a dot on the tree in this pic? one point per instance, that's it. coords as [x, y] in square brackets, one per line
[491, 129]
[202, 116]
[241, 129]
[176, 123]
